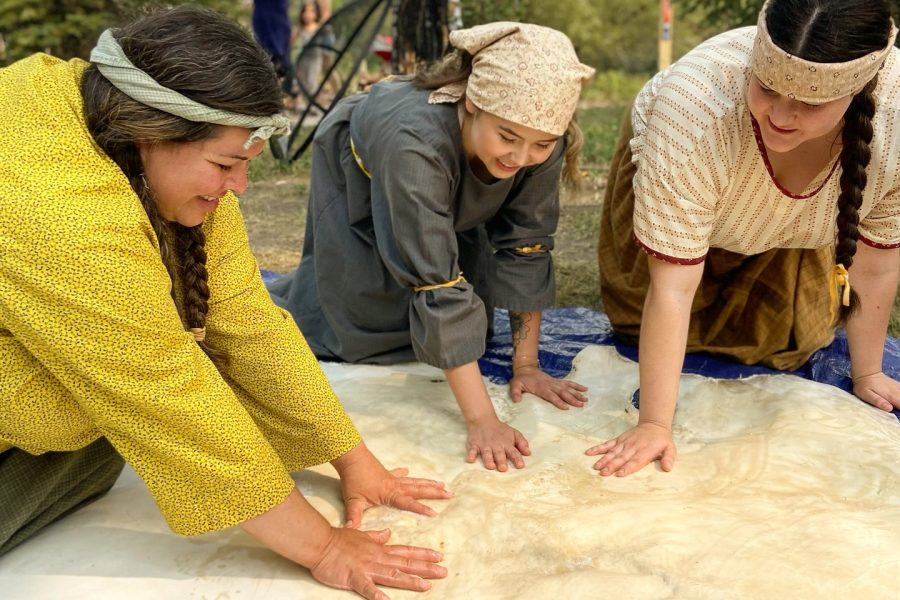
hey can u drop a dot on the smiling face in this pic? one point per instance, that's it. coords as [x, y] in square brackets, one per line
[785, 124]
[188, 179]
[499, 148]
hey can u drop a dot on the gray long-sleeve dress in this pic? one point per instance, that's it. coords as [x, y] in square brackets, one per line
[419, 217]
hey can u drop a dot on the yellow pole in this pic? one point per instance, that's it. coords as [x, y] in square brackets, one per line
[664, 57]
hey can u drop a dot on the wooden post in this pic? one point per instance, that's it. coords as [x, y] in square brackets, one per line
[664, 57]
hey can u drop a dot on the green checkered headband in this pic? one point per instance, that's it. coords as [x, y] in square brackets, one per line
[137, 85]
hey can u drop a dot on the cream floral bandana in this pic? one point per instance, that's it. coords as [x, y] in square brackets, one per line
[807, 81]
[523, 73]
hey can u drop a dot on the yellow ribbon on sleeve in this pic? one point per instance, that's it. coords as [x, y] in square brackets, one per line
[359, 160]
[535, 249]
[437, 286]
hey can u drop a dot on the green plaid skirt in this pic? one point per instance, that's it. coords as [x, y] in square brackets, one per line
[37, 490]
[771, 308]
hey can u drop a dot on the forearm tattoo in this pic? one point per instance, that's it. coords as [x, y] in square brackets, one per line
[519, 326]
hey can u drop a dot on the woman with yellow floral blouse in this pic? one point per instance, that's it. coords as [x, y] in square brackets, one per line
[133, 321]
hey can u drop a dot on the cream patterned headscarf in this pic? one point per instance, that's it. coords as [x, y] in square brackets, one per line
[523, 73]
[138, 85]
[807, 81]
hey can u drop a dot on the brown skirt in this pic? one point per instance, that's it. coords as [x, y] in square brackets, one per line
[771, 308]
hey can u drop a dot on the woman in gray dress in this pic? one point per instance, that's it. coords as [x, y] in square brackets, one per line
[417, 182]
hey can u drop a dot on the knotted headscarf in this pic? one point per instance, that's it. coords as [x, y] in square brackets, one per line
[524, 73]
[806, 81]
[138, 85]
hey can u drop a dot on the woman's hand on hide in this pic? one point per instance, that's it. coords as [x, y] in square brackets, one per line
[561, 393]
[366, 483]
[635, 449]
[497, 443]
[361, 560]
[879, 390]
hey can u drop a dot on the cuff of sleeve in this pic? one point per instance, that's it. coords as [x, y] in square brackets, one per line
[327, 449]
[448, 327]
[869, 242]
[200, 511]
[669, 259]
[522, 282]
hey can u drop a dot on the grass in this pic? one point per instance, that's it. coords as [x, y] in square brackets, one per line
[266, 168]
[613, 87]
[575, 255]
[600, 126]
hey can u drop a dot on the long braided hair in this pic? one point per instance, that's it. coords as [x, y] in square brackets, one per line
[830, 31]
[211, 60]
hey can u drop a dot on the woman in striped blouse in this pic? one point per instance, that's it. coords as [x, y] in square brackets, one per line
[756, 180]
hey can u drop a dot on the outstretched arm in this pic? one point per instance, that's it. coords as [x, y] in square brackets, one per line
[343, 558]
[527, 374]
[495, 441]
[664, 331]
[347, 558]
[874, 277]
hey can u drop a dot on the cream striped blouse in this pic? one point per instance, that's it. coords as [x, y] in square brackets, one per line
[703, 181]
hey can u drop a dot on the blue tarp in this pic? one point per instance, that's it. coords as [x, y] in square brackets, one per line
[566, 331]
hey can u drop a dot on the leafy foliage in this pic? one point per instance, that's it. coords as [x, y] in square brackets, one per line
[608, 34]
[476, 12]
[69, 28]
[725, 14]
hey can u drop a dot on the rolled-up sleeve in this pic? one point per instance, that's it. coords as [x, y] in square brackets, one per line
[413, 220]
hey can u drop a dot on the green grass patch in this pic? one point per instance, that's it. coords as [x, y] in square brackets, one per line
[600, 125]
[614, 87]
[578, 284]
[265, 167]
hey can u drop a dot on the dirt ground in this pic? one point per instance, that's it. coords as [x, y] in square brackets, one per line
[274, 208]
[275, 214]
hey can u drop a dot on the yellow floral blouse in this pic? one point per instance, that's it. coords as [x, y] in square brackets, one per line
[91, 343]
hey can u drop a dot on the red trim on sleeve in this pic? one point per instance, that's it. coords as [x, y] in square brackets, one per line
[669, 259]
[869, 242]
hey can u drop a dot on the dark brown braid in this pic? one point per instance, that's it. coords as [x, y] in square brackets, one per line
[190, 246]
[211, 60]
[855, 156]
[832, 31]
